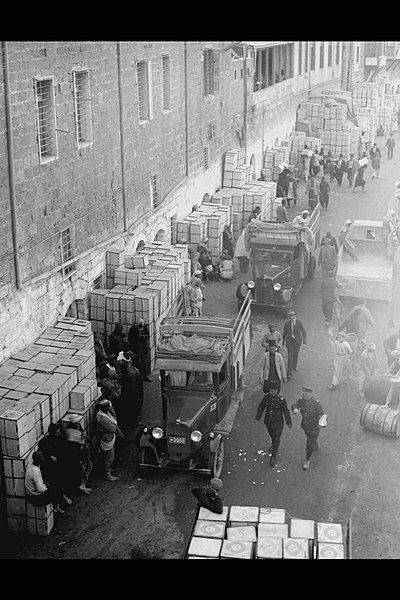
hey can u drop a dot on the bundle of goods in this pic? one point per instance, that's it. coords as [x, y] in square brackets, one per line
[248, 532]
[236, 172]
[148, 286]
[46, 382]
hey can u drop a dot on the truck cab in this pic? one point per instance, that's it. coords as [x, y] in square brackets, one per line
[201, 362]
[281, 257]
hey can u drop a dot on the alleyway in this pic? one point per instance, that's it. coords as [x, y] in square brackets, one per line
[355, 474]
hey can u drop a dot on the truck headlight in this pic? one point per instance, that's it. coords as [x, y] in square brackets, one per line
[277, 286]
[196, 436]
[250, 284]
[157, 433]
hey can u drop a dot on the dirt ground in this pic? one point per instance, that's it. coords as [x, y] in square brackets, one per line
[355, 475]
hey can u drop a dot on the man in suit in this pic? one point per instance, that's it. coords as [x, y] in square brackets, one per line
[272, 369]
[275, 409]
[294, 337]
[327, 258]
[351, 168]
[341, 167]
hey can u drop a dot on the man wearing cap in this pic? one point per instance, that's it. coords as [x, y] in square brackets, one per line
[276, 409]
[311, 412]
[106, 430]
[272, 370]
[301, 220]
[272, 334]
[327, 258]
[208, 495]
[294, 337]
[328, 292]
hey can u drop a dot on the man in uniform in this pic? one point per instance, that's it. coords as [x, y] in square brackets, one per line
[275, 409]
[311, 412]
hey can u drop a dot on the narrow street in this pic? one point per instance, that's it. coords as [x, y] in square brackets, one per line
[354, 475]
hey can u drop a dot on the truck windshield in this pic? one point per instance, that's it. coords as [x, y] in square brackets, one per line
[272, 256]
[184, 407]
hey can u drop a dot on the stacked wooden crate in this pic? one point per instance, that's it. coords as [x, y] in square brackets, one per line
[36, 387]
[383, 116]
[236, 173]
[208, 221]
[114, 259]
[335, 116]
[244, 200]
[336, 142]
[367, 122]
[158, 273]
[365, 95]
[248, 532]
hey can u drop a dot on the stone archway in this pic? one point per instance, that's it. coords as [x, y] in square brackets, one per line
[77, 309]
[160, 236]
[206, 198]
[139, 246]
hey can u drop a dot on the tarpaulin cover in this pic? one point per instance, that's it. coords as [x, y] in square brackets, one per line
[191, 344]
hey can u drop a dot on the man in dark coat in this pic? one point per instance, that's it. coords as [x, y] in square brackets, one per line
[208, 495]
[138, 338]
[332, 241]
[275, 409]
[294, 337]
[340, 168]
[53, 465]
[116, 340]
[311, 412]
[327, 258]
[131, 399]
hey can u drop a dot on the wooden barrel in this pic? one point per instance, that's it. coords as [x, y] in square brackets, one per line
[377, 388]
[381, 420]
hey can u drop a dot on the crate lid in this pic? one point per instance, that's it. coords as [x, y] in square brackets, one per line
[236, 549]
[330, 551]
[211, 529]
[208, 515]
[246, 533]
[201, 546]
[244, 514]
[280, 530]
[269, 547]
[302, 528]
[330, 532]
[295, 548]
[272, 515]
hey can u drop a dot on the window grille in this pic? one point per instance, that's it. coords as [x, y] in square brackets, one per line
[211, 131]
[321, 55]
[166, 82]
[211, 72]
[67, 251]
[83, 111]
[98, 282]
[155, 190]
[312, 57]
[329, 54]
[206, 157]
[45, 108]
[144, 91]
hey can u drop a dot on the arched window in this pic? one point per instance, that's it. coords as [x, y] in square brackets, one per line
[160, 236]
[140, 245]
[206, 198]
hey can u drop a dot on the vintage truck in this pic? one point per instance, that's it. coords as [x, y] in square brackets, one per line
[371, 275]
[201, 362]
[282, 256]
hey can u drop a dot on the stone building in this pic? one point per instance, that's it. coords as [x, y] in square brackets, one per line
[105, 144]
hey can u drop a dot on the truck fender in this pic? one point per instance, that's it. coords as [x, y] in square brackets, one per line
[146, 442]
[215, 442]
[287, 294]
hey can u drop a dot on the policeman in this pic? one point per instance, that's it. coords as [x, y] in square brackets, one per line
[311, 412]
[275, 409]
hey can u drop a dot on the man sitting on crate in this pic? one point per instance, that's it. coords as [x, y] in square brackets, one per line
[36, 491]
[208, 495]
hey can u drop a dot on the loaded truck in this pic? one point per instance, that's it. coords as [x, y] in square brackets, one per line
[201, 362]
[282, 256]
[371, 275]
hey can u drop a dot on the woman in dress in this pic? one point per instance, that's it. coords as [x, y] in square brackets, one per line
[342, 352]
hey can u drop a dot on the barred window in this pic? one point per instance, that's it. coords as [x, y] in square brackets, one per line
[46, 119]
[155, 190]
[322, 55]
[337, 52]
[312, 57]
[211, 72]
[329, 54]
[67, 251]
[144, 86]
[166, 82]
[83, 108]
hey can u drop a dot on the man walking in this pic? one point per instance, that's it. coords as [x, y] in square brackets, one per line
[390, 144]
[281, 212]
[351, 169]
[375, 156]
[106, 430]
[327, 258]
[294, 337]
[272, 370]
[340, 169]
[328, 291]
[276, 409]
[311, 413]
[324, 189]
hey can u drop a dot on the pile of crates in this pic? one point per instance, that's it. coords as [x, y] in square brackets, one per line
[248, 532]
[335, 117]
[274, 160]
[46, 382]
[383, 116]
[207, 221]
[244, 200]
[236, 172]
[337, 142]
[365, 95]
[314, 112]
[149, 285]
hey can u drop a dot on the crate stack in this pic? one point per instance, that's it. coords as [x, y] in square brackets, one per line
[337, 142]
[236, 172]
[334, 116]
[367, 122]
[157, 273]
[114, 259]
[273, 160]
[365, 95]
[248, 532]
[37, 385]
[383, 116]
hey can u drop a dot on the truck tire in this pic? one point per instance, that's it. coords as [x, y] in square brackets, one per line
[216, 461]
[312, 265]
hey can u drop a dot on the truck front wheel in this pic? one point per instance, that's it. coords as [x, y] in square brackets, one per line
[216, 461]
[312, 265]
